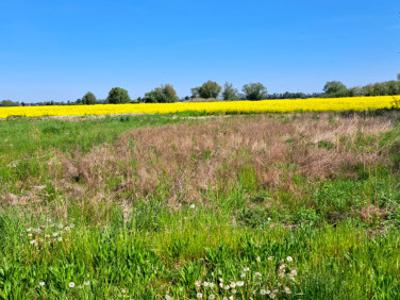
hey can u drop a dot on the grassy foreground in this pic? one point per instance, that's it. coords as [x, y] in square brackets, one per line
[299, 206]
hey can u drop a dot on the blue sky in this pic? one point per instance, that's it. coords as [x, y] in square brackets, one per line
[60, 49]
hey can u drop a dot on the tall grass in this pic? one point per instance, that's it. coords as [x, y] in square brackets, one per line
[282, 229]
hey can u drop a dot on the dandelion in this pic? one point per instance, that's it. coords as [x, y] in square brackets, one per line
[211, 297]
[263, 292]
[221, 279]
[246, 269]
[30, 234]
[242, 275]
[87, 283]
[211, 285]
[192, 206]
[232, 285]
[240, 283]
[33, 242]
[221, 285]
[289, 259]
[197, 283]
[233, 291]
[168, 297]
[29, 229]
[287, 290]
[272, 295]
[257, 274]
[42, 283]
[270, 258]
[199, 296]
[206, 284]
[227, 287]
[59, 239]
[231, 298]
[258, 259]
[71, 285]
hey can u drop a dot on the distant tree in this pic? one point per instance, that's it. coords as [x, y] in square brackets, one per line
[89, 98]
[255, 91]
[398, 77]
[335, 89]
[8, 103]
[163, 94]
[209, 89]
[118, 95]
[229, 92]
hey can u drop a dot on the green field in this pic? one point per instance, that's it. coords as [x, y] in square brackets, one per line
[284, 206]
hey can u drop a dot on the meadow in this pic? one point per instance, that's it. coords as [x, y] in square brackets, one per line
[312, 104]
[254, 206]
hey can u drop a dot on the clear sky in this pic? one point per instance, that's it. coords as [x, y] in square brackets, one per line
[60, 49]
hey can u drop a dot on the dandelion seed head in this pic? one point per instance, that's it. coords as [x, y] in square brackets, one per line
[71, 285]
[199, 296]
[240, 283]
[42, 283]
[289, 259]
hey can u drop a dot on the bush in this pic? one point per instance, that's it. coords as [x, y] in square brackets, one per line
[163, 94]
[255, 91]
[118, 95]
[89, 98]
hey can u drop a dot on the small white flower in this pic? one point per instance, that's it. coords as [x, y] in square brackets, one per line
[270, 258]
[221, 285]
[269, 219]
[206, 284]
[71, 285]
[30, 234]
[272, 295]
[86, 282]
[199, 296]
[42, 283]
[231, 298]
[232, 285]
[242, 275]
[211, 297]
[192, 206]
[221, 279]
[72, 225]
[33, 242]
[289, 259]
[246, 269]
[29, 229]
[59, 239]
[225, 298]
[168, 297]
[257, 274]
[240, 283]
[233, 291]
[263, 292]
[258, 259]
[197, 283]
[211, 285]
[287, 290]
[227, 287]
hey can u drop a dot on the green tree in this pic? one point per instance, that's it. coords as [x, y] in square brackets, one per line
[163, 94]
[8, 103]
[209, 89]
[229, 92]
[255, 91]
[89, 98]
[118, 95]
[335, 89]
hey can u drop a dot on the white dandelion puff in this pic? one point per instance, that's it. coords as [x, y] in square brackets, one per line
[71, 285]
[289, 259]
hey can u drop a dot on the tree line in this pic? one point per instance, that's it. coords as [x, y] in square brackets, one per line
[212, 91]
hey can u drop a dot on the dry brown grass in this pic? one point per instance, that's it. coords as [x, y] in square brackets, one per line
[189, 159]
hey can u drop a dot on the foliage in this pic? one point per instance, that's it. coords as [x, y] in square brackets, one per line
[255, 91]
[163, 94]
[335, 89]
[209, 89]
[118, 95]
[8, 103]
[89, 98]
[229, 92]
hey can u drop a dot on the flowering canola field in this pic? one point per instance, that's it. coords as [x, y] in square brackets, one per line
[312, 104]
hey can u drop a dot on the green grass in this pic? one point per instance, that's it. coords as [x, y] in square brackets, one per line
[146, 250]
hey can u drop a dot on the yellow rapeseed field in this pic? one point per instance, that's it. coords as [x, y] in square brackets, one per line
[314, 104]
